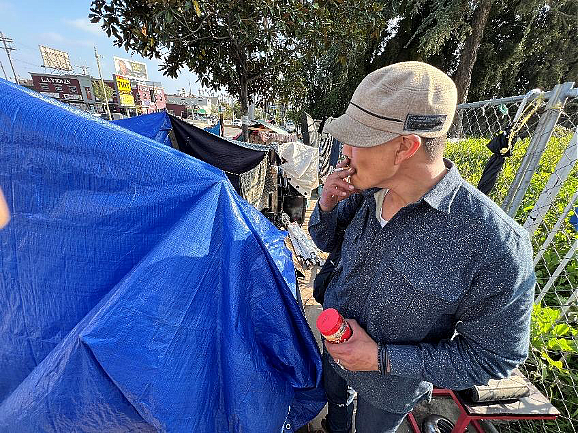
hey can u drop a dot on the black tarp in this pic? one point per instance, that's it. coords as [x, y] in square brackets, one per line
[497, 146]
[217, 151]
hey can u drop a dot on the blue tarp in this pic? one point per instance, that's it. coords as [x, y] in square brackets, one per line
[156, 126]
[138, 291]
[215, 129]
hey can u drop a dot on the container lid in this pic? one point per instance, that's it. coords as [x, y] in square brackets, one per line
[329, 321]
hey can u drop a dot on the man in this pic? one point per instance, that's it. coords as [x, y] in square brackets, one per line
[435, 280]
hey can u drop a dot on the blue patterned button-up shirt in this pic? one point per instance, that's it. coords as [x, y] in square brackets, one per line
[447, 285]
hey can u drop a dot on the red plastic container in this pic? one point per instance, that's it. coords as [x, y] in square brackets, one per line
[333, 326]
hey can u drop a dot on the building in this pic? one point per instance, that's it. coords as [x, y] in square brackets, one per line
[149, 96]
[139, 97]
[181, 106]
[188, 106]
[75, 90]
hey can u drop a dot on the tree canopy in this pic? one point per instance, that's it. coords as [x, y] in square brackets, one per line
[313, 53]
[519, 45]
[240, 46]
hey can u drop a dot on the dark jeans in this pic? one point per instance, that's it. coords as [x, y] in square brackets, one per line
[369, 419]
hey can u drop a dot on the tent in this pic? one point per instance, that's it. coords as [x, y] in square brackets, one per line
[138, 291]
[155, 126]
[217, 151]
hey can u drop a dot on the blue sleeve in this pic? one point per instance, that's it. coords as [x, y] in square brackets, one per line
[492, 330]
[327, 228]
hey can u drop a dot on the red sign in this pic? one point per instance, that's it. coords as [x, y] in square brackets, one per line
[67, 88]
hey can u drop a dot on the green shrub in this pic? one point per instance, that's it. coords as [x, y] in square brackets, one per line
[552, 363]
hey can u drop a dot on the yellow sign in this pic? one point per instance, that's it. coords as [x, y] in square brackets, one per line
[124, 88]
[127, 99]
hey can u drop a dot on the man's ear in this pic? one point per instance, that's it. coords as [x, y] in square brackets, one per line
[408, 146]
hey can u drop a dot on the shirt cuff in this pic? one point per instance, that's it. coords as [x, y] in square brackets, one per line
[320, 216]
[405, 360]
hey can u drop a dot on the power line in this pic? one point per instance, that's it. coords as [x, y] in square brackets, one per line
[5, 40]
[27, 47]
[27, 63]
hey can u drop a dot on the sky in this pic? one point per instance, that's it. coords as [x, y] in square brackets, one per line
[64, 25]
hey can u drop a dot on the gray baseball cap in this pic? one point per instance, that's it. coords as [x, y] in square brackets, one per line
[400, 99]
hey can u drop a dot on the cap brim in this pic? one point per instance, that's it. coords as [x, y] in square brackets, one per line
[353, 133]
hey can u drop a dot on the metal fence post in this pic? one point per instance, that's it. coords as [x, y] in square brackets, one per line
[549, 193]
[536, 147]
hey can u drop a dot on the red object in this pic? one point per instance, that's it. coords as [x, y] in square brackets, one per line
[465, 418]
[333, 326]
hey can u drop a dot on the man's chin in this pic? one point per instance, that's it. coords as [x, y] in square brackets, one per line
[356, 182]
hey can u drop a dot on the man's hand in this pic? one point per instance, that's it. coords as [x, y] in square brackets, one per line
[336, 188]
[359, 353]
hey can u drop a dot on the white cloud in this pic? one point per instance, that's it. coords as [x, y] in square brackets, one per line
[85, 25]
[52, 37]
[84, 43]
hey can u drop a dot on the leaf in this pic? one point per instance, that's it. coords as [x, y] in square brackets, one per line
[561, 329]
[562, 345]
[551, 361]
[197, 8]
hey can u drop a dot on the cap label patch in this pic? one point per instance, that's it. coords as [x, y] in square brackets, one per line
[421, 122]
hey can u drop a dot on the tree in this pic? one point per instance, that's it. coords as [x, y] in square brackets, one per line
[345, 33]
[491, 48]
[99, 94]
[237, 45]
[526, 46]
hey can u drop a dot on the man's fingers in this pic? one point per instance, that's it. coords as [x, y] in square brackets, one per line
[343, 172]
[343, 163]
[342, 185]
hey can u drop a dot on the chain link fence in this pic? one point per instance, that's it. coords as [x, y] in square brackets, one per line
[538, 187]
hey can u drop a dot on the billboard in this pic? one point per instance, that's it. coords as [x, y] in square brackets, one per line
[63, 88]
[126, 98]
[130, 69]
[55, 59]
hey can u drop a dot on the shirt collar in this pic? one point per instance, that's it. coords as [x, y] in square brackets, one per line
[442, 194]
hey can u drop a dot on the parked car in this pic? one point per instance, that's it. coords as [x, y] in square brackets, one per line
[290, 126]
[237, 122]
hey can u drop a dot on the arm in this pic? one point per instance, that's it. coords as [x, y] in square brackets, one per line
[492, 332]
[335, 208]
[327, 228]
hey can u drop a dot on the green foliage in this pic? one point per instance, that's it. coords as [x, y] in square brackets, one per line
[471, 155]
[520, 38]
[548, 336]
[552, 362]
[240, 46]
[98, 91]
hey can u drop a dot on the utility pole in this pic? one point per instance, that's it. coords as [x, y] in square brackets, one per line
[84, 69]
[4, 39]
[2, 66]
[102, 83]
